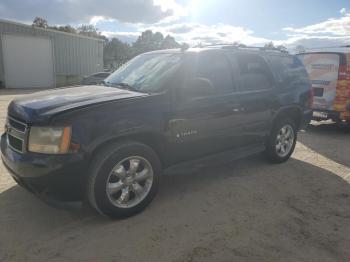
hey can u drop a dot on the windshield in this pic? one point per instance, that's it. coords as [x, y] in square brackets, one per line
[146, 73]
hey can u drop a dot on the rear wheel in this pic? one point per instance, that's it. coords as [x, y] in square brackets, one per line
[281, 142]
[123, 179]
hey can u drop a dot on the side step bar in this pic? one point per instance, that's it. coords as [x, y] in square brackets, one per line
[222, 157]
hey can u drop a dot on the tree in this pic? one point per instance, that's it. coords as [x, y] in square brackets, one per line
[300, 49]
[169, 42]
[149, 41]
[88, 30]
[185, 46]
[91, 31]
[40, 22]
[157, 40]
[144, 42]
[66, 28]
[282, 48]
[116, 53]
[269, 45]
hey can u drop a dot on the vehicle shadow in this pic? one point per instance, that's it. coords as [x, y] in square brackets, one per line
[244, 210]
[329, 140]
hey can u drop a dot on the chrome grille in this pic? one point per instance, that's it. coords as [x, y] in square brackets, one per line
[17, 124]
[16, 134]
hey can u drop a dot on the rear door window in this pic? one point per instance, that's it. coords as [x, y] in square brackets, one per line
[254, 73]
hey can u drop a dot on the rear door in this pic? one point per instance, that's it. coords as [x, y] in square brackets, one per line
[323, 70]
[256, 97]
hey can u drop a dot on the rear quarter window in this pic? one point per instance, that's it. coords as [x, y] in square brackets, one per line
[288, 69]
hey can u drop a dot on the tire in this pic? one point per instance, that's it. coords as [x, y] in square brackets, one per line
[274, 149]
[129, 162]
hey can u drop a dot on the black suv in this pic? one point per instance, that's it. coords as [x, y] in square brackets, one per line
[108, 144]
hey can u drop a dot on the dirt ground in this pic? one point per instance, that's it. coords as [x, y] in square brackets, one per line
[247, 210]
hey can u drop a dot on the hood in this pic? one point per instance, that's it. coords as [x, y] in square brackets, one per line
[43, 105]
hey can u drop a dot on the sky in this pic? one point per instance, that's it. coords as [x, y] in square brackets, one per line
[311, 23]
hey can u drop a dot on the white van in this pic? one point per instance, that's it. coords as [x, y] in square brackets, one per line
[329, 73]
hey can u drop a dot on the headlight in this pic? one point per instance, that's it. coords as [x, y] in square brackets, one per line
[49, 140]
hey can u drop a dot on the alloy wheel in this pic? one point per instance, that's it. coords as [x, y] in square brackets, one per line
[284, 140]
[129, 182]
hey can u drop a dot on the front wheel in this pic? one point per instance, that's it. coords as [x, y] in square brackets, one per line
[281, 142]
[123, 179]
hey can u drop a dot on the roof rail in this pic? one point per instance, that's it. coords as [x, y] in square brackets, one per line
[274, 49]
[259, 48]
[242, 46]
[328, 47]
[214, 45]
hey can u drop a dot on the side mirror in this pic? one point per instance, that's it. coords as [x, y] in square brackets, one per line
[197, 87]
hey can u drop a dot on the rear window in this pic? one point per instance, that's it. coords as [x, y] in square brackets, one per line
[288, 69]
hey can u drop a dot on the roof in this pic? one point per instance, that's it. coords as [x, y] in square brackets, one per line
[49, 30]
[219, 47]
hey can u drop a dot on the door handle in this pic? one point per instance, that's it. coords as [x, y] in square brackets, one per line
[237, 109]
[177, 120]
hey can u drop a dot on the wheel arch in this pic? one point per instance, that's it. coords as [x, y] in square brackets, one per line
[151, 139]
[293, 112]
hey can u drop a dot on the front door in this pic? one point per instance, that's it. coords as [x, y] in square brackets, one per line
[206, 124]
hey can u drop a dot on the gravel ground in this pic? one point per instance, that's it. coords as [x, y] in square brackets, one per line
[246, 210]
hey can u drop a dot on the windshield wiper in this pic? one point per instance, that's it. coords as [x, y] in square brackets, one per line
[105, 83]
[123, 85]
[126, 86]
[120, 85]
